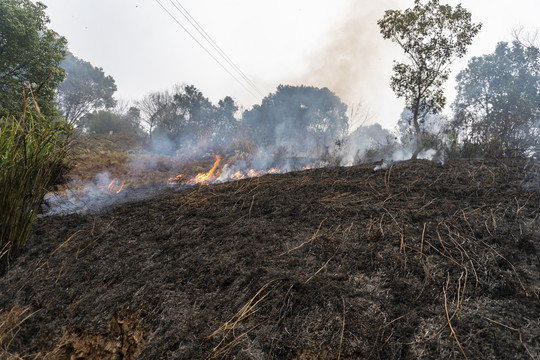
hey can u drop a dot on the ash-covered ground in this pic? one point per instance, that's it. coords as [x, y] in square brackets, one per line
[415, 261]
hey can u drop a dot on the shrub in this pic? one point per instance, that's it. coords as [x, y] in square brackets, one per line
[33, 159]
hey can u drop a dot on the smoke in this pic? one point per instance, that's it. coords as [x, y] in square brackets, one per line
[92, 196]
[356, 62]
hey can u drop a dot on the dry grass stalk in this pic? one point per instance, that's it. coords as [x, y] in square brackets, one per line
[305, 242]
[10, 322]
[449, 319]
[380, 335]
[342, 329]
[513, 329]
[229, 327]
[318, 271]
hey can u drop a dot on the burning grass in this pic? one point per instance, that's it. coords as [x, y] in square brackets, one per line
[416, 261]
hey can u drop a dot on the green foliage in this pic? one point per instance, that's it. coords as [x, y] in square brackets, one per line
[188, 118]
[432, 37]
[34, 151]
[30, 55]
[298, 114]
[195, 114]
[498, 101]
[105, 121]
[85, 88]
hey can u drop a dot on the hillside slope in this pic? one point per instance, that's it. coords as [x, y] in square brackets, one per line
[416, 261]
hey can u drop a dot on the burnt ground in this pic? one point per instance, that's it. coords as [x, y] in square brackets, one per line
[416, 261]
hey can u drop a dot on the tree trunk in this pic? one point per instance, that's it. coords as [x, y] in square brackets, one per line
[418, 131]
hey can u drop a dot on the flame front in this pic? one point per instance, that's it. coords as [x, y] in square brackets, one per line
[201, 178]
[213, 175]
[205, 178]
[114, 187]
[176, 180]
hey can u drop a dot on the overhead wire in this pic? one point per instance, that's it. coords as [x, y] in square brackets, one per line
[206, 50]
[211, 41]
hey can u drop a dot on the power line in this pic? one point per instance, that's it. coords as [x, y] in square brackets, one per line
[205, 49]
[211, 41]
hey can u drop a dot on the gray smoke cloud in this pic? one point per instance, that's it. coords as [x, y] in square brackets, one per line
[356, 62]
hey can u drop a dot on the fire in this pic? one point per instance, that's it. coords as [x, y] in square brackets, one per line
[253, 173]
[175, 180]
[205, 178]
[201, 178]
[213, 175]
[237, 176]
[114, 187]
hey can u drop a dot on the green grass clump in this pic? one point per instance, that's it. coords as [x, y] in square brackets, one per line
[33, 157]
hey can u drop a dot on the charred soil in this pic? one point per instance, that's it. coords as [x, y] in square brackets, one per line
[415, 261]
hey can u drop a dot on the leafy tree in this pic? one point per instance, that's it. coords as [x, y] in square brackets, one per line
[196, 114]
[432, 37]
[85, 89]
[226, 123]
[498, 100]
[106, 121]
[302, 116]
[30, 54]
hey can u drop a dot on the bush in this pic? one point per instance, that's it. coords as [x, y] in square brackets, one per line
[33, 159]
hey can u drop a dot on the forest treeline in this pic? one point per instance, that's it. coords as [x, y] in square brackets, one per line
[496, 111]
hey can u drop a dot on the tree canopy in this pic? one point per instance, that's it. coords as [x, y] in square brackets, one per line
[85, 89]
[106, 121]
[299, 115]
[432, 36]
[30, 55]
[188, 118]
[498, 100]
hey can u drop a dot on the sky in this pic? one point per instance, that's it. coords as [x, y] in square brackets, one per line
[334, 44]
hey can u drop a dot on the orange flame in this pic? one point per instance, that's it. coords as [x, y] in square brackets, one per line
[212, 175]
[113, 186]
[175, 180]
[237, 176]
[201, 178]
[205, 178]
[253, 173]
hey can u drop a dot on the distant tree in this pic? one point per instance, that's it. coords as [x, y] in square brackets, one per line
[498, 100]
[156, 108]
[133, 116]
[30, 55]
[432, 37]
[369, 143]
[298, 115]
[196, 114]
[107, 121]
[85, 89]
[226, 123]
[187, 118]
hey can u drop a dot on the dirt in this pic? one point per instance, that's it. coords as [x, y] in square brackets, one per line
[416, 261]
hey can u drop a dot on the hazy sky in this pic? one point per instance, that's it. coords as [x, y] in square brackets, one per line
[334, 44]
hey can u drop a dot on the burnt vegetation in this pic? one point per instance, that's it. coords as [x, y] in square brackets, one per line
[419, 260]
[333, 245]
